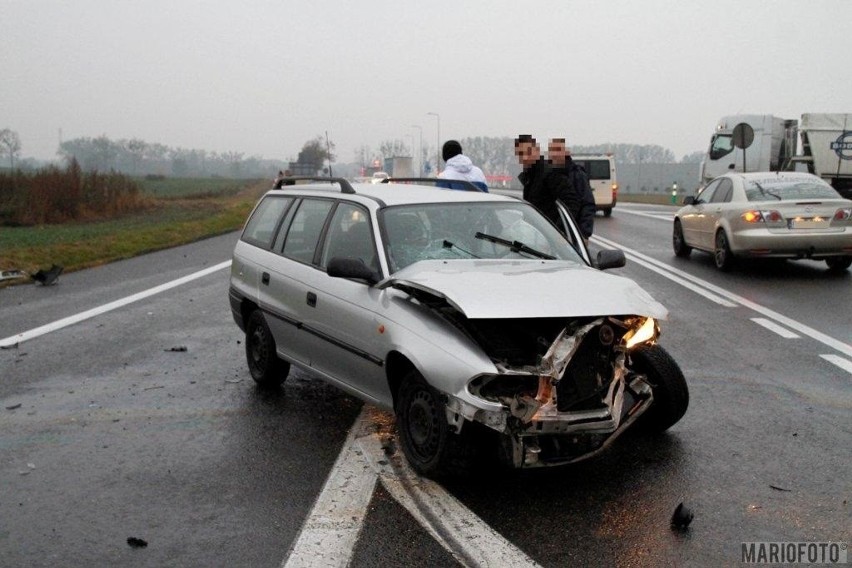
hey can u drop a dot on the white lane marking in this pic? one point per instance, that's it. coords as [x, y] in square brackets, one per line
[654, 215]
[471, 541]
[844, 348]
[697, 289]
[71, 320]
[330, 533]
[844, 364]
[772, 326]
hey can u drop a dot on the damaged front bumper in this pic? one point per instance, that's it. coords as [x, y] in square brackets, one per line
[568, 408]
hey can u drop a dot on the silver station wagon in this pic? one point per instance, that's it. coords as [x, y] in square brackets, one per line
[468, 314]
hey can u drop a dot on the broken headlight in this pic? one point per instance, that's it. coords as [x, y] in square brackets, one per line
[642, 330]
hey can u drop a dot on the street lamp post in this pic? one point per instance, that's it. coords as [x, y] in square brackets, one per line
[438, 146]
[419, 150]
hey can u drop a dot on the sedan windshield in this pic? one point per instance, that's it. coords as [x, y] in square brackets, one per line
[772, 189]
[470, 230]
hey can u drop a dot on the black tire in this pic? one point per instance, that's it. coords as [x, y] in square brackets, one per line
[429, 445]
[607, 212]
[671, 395]
[838, 263]
[266, 368]
[722, 255]
[681, 249]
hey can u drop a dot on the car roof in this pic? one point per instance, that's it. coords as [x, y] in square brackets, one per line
[394, 193]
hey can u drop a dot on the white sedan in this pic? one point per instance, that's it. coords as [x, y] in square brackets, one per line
[766, 215]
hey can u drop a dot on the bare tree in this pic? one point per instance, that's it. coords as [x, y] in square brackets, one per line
[393, 148]
[10, 143]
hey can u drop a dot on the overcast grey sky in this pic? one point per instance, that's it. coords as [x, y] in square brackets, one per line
[262, 77]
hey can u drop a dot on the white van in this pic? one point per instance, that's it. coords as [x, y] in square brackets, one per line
[601, 171]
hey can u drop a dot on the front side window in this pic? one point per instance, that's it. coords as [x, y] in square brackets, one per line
[305, 229]
[706, 194]
[721, 145]
[350, 235]
[452, 231]
[260, 229]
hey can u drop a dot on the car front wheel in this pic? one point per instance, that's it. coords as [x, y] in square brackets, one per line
[671, 395]
[838, 263]
[681, 249]
[429, 445]
[266, 368]
[722, 254]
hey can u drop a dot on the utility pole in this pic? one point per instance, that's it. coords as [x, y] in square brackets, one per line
[438, 145]
[419, 150]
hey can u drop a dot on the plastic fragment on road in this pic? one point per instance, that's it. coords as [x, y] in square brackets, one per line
[681, 518]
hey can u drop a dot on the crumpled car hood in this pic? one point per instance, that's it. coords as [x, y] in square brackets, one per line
[486, 289]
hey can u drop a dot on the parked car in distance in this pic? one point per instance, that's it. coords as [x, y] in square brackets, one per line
[791, 215]
[602, 178]
[467, 313]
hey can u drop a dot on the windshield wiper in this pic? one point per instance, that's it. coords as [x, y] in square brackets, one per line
[765, 192]
[515, 246]
[451, 245]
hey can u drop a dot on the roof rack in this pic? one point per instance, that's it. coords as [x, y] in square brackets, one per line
[466, 185]
[345, 186]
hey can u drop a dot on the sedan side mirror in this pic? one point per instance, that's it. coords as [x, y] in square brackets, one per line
[609, 258]
[689, 200]
[339, 267]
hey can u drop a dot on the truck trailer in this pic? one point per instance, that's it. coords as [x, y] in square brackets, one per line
[819, 143]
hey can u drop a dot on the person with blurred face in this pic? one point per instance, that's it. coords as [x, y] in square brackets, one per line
[560, 159]
[542, 185]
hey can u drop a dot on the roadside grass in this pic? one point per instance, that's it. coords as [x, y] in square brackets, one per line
[171, 188]
[166, 223]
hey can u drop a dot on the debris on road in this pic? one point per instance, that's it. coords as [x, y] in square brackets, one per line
[777, 488]
[233, 380]
[681, 517]
[136, 542]
[48, 277]
[13, 406]
[177, 348]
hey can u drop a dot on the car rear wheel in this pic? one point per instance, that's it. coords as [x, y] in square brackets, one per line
[838, 263]
[722, 254]
[681, 249]
[607, 212]
[429, 445]
[671, 395]
[266, 368]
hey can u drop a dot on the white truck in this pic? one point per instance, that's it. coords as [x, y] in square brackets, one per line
[820, 143]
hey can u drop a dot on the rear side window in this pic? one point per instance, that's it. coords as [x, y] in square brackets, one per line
[260, 229]
[305, 230]
[723, 192]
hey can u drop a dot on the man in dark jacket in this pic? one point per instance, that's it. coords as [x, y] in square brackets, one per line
[560, 159]
[543, 186]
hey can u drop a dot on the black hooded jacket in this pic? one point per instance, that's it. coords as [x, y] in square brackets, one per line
[543, 186]
[584, 199]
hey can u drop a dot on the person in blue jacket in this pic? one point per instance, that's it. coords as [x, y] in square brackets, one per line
[460, 167]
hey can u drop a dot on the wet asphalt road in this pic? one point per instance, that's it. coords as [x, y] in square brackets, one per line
[117, 435]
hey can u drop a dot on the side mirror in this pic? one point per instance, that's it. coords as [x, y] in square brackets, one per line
[608, 258]
[689, 200]
[339, 267]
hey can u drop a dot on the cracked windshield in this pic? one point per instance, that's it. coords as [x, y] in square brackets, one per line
[471, 230]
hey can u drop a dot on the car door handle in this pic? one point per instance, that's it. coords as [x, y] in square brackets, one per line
[265, 278]
[312, 299]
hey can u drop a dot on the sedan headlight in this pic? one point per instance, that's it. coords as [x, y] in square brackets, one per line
[644, 331]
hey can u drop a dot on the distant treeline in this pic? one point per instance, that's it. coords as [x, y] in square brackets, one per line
[57, 195]
[138, 158]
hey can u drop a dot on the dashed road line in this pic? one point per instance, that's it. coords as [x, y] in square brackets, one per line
[772, 326]
[661, 268]
[844, 364]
